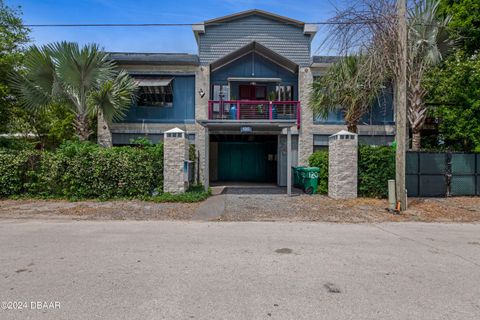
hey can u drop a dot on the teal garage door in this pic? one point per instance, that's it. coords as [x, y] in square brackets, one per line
[246, 161]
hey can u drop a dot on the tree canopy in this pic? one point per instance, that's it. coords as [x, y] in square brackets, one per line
[454, 88]
[465, 22]
[83, 78]
[13, 37]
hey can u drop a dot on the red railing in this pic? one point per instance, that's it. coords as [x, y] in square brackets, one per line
[254, 110]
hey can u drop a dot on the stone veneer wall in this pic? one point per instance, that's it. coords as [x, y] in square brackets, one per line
[202, 81]
[342, 167]
[175, 152]
[305, 134]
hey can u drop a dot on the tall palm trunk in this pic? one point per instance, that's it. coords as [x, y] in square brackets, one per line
[82, 126]
[417, 113]
[352, 127]
[104, 136]
[416, 140]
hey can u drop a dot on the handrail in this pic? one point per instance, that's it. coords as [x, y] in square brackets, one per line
[254, 110]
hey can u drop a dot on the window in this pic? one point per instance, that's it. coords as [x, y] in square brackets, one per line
[155, 92]
[334, 117]
[220, 92]
[284, 93]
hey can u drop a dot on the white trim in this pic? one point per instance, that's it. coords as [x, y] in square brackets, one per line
[154, 82]
[253, 79]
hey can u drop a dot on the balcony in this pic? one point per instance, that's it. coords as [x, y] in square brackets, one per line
[247, 110]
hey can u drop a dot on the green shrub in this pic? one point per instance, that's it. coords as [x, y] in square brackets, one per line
[320, 159]
[13, 171]
[376, 165]
[16, 144]
[83, 170]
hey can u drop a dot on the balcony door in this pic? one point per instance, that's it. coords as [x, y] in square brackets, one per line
[252, 92]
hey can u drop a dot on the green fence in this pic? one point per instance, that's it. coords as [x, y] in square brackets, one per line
[441, 174]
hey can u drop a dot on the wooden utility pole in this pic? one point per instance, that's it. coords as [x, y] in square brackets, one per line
[401, 106]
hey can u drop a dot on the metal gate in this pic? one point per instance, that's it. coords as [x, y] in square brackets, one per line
[442, 174]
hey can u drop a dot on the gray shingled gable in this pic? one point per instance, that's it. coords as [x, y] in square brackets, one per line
[258, 12]
[285, 39]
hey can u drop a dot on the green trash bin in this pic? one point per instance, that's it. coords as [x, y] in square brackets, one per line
[309, 179]
[297, 179]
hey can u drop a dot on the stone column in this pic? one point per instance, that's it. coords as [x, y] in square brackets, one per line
[175, 152]
[342, 165]
[104, 136]
[305, 135]
[202, 84]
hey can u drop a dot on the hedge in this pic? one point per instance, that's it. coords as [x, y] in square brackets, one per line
[320, 159]
[376, 165]
[82, 170]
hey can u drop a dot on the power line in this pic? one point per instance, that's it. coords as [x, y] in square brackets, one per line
[156, 25]
[81, 25]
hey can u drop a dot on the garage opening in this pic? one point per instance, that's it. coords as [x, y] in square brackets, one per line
[243, 158]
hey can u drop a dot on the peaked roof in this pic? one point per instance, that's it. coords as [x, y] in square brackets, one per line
[175, 130]
[255, 12]
[257, 48]
[343, 132]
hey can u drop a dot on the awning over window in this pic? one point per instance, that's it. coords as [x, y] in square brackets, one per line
[154, 82]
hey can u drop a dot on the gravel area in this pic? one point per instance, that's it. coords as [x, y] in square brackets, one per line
[269, 207]
[96, 210]
[247, 206]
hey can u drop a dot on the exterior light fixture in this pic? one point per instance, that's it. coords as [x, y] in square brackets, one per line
[201, 93]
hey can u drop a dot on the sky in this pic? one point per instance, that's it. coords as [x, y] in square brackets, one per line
[154, 39]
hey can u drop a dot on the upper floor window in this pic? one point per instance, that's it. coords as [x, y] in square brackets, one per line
[155, 92]
[220, 92]
[284, 93]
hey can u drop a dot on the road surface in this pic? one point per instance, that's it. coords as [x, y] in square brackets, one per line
[238, 270]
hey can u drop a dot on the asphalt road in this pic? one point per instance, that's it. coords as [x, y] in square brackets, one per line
[198, 270]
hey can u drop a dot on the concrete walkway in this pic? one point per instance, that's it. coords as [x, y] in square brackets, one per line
[210, 209]
[215, 207]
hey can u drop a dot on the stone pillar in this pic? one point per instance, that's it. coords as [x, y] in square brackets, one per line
[104, 136]
[175, 152]
[305, 134]
[202, 84]
[342, 165]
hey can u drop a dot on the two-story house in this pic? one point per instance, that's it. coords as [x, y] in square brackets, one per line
[240, 99]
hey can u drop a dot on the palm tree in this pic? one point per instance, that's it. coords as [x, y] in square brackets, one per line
[350, 85]
[427, 44]
[83, 78]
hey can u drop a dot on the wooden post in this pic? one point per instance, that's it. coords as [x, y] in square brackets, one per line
[401, 106]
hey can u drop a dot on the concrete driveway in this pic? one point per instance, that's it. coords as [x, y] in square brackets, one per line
[239, 270]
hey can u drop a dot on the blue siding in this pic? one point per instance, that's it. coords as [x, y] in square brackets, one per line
[380, 114]
[286, 40]
[254, 65]
[382, 110]
[183, 109]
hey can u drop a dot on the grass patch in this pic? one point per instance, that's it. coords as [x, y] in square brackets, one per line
[194, 194]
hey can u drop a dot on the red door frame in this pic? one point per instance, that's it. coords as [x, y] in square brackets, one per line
[249, 92]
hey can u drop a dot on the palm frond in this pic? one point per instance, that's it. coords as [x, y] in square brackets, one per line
[34, 84]
[114, 97]
[350, 85]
